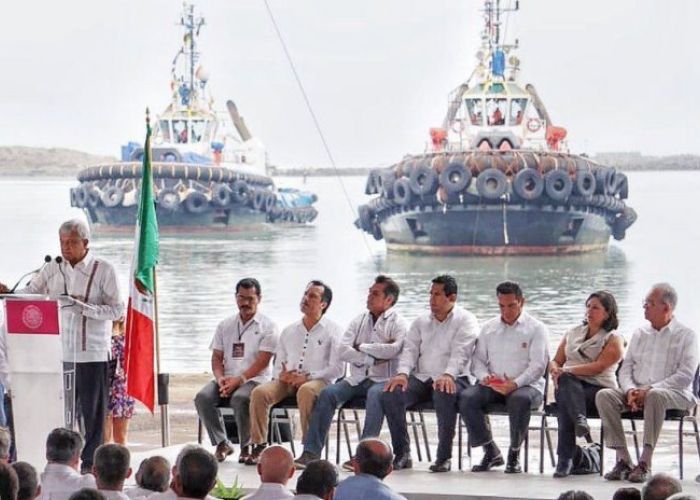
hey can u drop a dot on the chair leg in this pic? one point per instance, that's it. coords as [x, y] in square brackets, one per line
[291, 441]
[551, 448]
[602, 449]
[425, 435]
[634, 437]
[415, 435]
[347, 437]
[339, 419]
[527, 449]
[199, 430]
[680, 446]
[697, 434]
[543, 426]
[357, 424]
[459, 443]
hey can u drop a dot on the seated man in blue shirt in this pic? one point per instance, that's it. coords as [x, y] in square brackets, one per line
[372, 463]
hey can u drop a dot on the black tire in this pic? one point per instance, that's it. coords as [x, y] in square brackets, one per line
[558, 185]
[528, 184]
[388, 178]
[492, 184]
[221, 195]
[112, 196]
[455, 178]
[74, 197]
[81, 195]
[424, 180]
[372, 187]
[377, 231]
[402, 192]
[259, 199]
[365, 216]
[92, 199]
[240, 192]
[196, 203]
[621, 186]
[270, 202]
[168, 199]
[585, 184]
[602, 180]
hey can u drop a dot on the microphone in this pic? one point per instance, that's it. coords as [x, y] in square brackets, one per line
[58, 260]
[47, 259]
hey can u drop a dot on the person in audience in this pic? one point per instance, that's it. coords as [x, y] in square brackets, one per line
[682, 496]
[87, 494]
[197, 474]
[372, 463]
[656, 375]
[111, 469]
[29, 487]
[370, 346]
[171, 493]
[242, 350]
[575, 495]
[509, 363]
[5, 444]
[275, 468]
[153, 476]
[306, 361]
[9, 484]
[437, 350]
[318, 481]
[660, 487]
[61, 477]
[629, 493]
[585, 363]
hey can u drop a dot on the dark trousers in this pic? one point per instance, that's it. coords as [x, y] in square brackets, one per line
[476, 401]
[91, 394]
[574, 397]
[394, 405]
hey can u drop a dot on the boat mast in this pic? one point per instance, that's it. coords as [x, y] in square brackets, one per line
[192, 24]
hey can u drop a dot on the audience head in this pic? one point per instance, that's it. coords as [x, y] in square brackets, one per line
[602, 303]
[443, 295]
[510, 301]
[374, 457]
[154, 474]
[197, 473]
[660, 487]
[87, 494]
[248, 297]
[28, 481]
[682, 496]
[9, 484]
[575, 495]
[628, 493]
[276, 465]
[317, 298]
[63, 446]
[111, 466]
[5, 443]
[319, 478]
[659, 305]
[382, 295]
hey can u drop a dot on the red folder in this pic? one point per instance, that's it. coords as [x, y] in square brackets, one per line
[32, 317]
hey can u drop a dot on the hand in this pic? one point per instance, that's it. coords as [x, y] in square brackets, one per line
[445, 383]
[4, 288]
[555, 372]
[298, 379]
[230, 384]
[506, 387]
[397, 381]
[636, 398]
[285, 375]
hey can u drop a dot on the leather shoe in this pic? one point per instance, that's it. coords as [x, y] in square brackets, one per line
[564, 466]
[488, 462]
[581, 427]
[403, 461]
[223, 450]
[513, 465]
[441, 466]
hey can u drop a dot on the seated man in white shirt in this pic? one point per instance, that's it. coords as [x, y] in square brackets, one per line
[370, 345]
[437, 348]
[275, 468]
[197, 474]
[656, 375]
[509, 363]
[61, 477]
[306, 361]
[111, 469]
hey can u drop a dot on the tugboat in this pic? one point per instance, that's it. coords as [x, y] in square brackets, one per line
[210, 173]
[497, 177]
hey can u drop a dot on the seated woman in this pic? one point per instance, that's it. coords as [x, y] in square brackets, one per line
[586, 360]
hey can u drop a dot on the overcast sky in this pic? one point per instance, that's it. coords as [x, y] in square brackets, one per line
[620, 75]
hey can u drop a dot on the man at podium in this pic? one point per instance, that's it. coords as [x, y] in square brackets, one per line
[90, 300]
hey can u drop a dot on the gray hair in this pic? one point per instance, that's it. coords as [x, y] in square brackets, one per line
[76, 225]
[661, 486]
[668, 294]
[5, 442]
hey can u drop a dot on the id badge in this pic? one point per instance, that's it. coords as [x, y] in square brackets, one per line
[238, 350]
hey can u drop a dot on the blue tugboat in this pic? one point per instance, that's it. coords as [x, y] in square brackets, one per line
[209, 171]
[497, 177]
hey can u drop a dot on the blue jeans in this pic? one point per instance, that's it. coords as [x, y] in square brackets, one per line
[3, 416]
[331, 398]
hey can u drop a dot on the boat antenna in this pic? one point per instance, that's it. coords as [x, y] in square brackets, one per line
[192, 24]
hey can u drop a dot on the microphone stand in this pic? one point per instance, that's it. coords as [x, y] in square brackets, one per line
[47, 259]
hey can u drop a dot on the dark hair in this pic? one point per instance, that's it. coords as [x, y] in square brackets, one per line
[327, 296]
[197, 471]
[154, 474]
[28, 480]
[391, 288]
[609, 303]
[449, 284]
[510, 288]
[111, 464]
[575, 495]
[9, 484]
[661, 486]
[319, 478]
[628, 493]
[371, 462]
[249, 283]
[87, 494]
[63, 445]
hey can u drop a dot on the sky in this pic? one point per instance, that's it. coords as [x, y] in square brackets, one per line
[620, 75]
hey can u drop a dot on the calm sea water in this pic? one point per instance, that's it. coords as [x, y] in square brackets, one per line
[196, 276]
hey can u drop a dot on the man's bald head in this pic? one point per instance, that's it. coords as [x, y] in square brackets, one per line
[373, 456]
[276, 465]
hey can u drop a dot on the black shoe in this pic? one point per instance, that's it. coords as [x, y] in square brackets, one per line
[581, 427]
[441, 466]
[245, 453]
[564, 466]
[513, 465]
[254, 456]
[223, 450]
[305, 459]
[489, 461]
[403, 461]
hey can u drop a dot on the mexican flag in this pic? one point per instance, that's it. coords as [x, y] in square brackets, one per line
[140, 317]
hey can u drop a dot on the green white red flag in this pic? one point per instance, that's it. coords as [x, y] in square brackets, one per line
[140, 330]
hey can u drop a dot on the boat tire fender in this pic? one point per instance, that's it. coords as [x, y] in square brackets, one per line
[259, 198]
[221, 195]
[112, 196]
[403, 195]
[196, 203]
[92, 196]
[270, 202]
[492, 184]
[240, 191]
[168, 199]
[528, 184]
[424, 180]
[585, 184]
[388, 177]
[455, 178]
[558, 185]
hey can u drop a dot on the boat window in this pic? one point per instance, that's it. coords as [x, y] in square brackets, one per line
[197, 130]
[517, 111]
[496, 111]
[165, 130]
[475, 108]
[180, 131]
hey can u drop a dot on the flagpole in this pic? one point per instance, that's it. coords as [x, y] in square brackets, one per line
[162, 379]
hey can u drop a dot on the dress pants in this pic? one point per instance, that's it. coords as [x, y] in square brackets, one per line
[207, 402]
[574, 397]
[476, 401]
[91, 394]
[395, 403]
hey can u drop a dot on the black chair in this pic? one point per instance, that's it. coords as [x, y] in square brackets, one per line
[420, 409]
[354, 405]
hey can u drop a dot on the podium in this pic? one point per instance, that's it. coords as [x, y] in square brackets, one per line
[32, 330]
